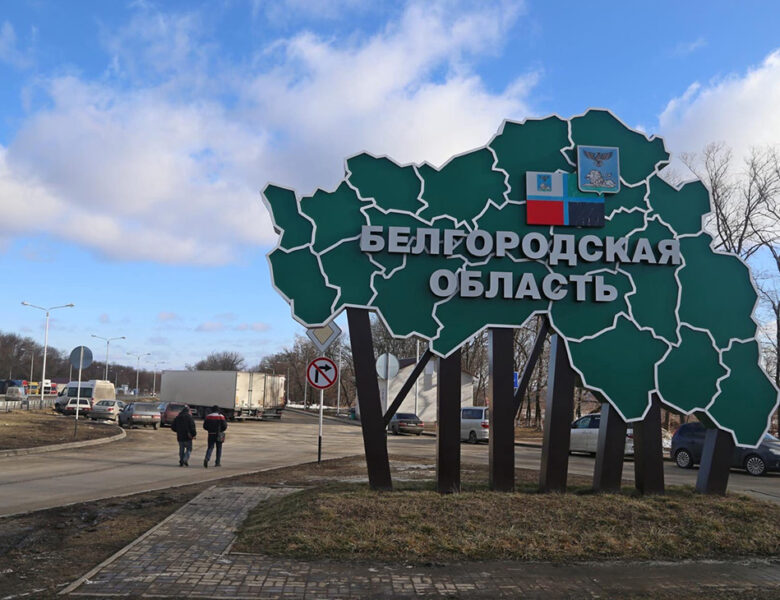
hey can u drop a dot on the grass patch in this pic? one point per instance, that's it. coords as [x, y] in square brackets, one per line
[32, 428]
[415, 524]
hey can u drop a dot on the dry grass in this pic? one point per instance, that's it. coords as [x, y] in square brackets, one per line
[349, 522]
[29, 429]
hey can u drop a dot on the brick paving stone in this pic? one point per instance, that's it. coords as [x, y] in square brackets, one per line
[187, 555]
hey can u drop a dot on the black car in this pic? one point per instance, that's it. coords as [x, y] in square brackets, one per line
[688, 443]
[405, 423]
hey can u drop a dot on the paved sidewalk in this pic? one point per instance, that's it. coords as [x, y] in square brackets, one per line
[187, 555]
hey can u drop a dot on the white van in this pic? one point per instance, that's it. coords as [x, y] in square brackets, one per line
[474, 423]
[93, 390]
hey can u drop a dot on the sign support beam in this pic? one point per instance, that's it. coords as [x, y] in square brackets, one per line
[533, 358]
[713, 477]
[448, 434]
[502, 413]
[648, 451]
[371, 422]
[559, 410]
[608, 473]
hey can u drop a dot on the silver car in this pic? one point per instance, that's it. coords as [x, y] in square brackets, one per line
[474, 424]
[140, 413]
[107, 409]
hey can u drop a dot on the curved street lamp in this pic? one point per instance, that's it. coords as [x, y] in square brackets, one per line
[108, 341]
[45, 337]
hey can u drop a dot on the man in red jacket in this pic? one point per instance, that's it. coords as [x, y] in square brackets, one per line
[216, 424]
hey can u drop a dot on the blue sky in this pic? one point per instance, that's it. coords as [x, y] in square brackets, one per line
[135, 136]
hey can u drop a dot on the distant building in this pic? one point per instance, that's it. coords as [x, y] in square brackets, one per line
[426, 390]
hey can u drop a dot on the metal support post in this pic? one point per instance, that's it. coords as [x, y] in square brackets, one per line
[718, 451]
[371, 422]
[608, 473]
[648, 451]
[502, 410]
[559, 409]
[448, 434]
[319, 438]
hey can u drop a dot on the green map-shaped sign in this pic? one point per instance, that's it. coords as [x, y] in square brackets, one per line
[643, 302]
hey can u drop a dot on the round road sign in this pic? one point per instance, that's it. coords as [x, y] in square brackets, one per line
[322, 373]
[387, 366]
[79, 360]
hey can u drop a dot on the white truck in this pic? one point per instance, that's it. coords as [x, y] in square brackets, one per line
[239, 394]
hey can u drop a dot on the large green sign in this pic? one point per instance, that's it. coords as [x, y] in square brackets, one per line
[563, 217]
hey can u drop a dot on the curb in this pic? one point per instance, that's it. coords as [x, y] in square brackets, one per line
[65, 446]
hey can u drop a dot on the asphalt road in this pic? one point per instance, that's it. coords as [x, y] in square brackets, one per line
[148, 460]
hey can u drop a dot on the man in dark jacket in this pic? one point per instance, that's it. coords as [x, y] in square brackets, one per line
[184, 426]
[216, 424]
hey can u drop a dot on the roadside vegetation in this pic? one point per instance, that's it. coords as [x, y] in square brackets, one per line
[33, 428]
[348, 521]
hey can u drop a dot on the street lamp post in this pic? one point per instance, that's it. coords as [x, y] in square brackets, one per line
[154, 374]
[108, 341]
[137, 369]
[45, 338]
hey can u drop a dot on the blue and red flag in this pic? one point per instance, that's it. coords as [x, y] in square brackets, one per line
[554, 199]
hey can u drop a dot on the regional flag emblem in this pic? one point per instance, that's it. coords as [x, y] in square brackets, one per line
[553, 199]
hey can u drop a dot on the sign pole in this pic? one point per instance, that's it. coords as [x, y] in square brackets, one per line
[78, 394]
[416, 379]
[319, 440]
[338, 387]
[387, 384]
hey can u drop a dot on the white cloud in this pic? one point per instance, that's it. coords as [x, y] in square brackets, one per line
[169, 169]
[685, 48]
[257, 326]
[740, 109]
[210, 326]
[9, 52]
[167, 316]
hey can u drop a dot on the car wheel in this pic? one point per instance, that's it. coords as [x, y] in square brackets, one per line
[683, 459]
[396, 431]
[154, 426]
[472, 437]
[755, 465]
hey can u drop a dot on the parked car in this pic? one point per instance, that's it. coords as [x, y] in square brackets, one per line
[405, 423]
[140, 413]
[95, 390]
[69, 408]
[15, 393]
[585, 436]
[168, 412]
[474, 424]
[688, 444]
[107, 409]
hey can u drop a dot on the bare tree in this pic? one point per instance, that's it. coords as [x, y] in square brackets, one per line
[219, 361]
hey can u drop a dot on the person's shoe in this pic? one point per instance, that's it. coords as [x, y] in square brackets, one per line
[217, 465]
[186, 463]
[181, 463]
[205, 464]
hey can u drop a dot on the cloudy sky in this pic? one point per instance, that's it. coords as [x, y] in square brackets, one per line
[135, 136]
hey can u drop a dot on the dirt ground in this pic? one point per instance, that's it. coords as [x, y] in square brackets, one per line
[32, 428]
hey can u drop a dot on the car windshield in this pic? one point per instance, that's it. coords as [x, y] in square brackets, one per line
[770, 438]
[73, 392]
[145, 407]
[406, 416]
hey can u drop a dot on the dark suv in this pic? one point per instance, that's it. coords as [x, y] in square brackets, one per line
[688, 443]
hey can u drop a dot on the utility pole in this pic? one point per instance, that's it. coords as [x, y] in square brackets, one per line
[45, 340]
[338, 385]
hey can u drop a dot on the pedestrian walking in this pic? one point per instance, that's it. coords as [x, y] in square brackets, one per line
[184, 426]
[216, 424]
